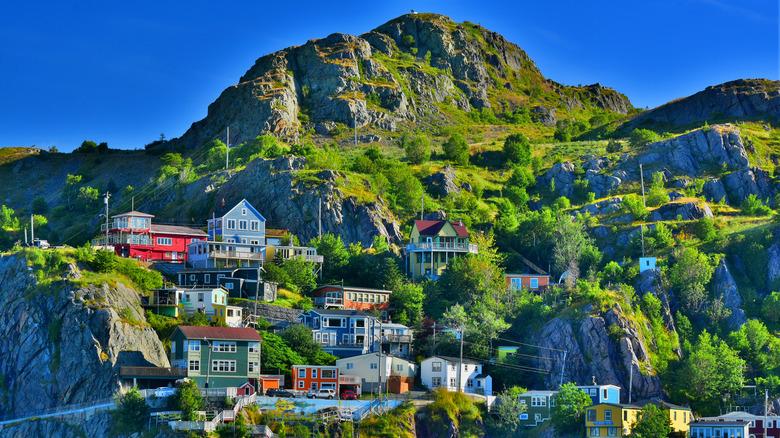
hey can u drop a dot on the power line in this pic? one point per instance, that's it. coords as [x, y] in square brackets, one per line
[530, 345]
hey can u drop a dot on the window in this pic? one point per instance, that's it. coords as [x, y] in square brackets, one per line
[314, 373]
[452, 381]
[769, 424]
[591, 415]
[328, 374]
[173, 347]
[625, 416]
[243, 212]
[350, 365]
[538, 401]
[604, 394]
[200, 297]
[470, 383]
[593, 392]
[595, 431]
[675, 415]
[207, 278]
[302, 373]
[516, 283]
[229, 286]
[254, 242]
[192, 277]
[399, 367]
[436, 381]
[231, 224]
[538, 417]
[224, 347]
[612, 431]
[436, 367]
[224, 366]
[194, 365]
[254, 225]
[608, 415]
[534, 283]
[300, 384]
[164, 241]
[194, 345]
[242, 225]
[374, 366]
[253, 367]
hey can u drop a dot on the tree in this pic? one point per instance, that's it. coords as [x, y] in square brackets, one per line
[277, 355]
[614, 146]
[570, 240]
[301, 274]
[186, 399]
[663, 236]
[104, 261]
[334, 254]
[406, 303]
[70, 191]
[301, 340]
[570, 403]
[39, 205]
[509, 408]
[704, 229]
[712, 370]
[517, 149]
[642, 137]
[405, 190]
[132, 411]
[6, 217]
[752, 206]
[456, 149]
[652, 422]
[87, 198]
[633, 204]
[657, 195]
[417, 148]
[611, 274]
[689, 275]
[770, 309]
[757, 345]
[87, 146]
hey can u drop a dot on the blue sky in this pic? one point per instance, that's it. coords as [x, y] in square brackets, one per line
[125, 72]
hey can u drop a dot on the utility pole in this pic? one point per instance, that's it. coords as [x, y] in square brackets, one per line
[642, 178]
[631, 382]
[355, 125]
[766, 402]
[227, 154]
[319, 221]
[433, 353]
[642, 230]
[460, 365]
[32, 229]
[379, 365]
[108, 195]
[422, 206]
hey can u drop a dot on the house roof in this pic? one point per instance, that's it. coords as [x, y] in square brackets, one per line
[367, 355]
[538, 392]
[173, 229]
[508, 275]
[742, 415]
[340, 312]
[659, 403]
[481, 376]
[229, 333]
[222, 212]
[718, 422]
[432, 228]
[598, 386]
[456, 360]
[353, 289]
[134, 213]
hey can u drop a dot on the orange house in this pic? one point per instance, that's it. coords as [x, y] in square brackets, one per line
[331, 296]
[527, 281]
[315, 377]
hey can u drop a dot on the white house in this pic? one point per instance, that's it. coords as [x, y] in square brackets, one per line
[442, 372]
[397, 373]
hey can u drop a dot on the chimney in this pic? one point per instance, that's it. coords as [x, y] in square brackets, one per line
[223, 202]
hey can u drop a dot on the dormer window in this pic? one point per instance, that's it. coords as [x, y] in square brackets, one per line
[243, 212]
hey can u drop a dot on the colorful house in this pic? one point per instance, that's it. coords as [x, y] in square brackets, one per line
[396, 339]
[315, 377]
[433, 243]
[211, 302]
[342, 333]
[331, 296]
[719, 427]
[397, 373]
[615, 419]
[442, 372]
[602, 393]
[538, 406]
[217, 357]
[133, 234]
[531, 282]
[239, 282]
[755, 423]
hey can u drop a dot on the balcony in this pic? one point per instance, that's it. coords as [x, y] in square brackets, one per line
[152, 372]
[443, 246]
[238, 255]
[346, 379]
[159, 299]
[327, 302]
[397, 339]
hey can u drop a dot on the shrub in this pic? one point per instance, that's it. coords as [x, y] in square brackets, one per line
[642, 137]
[614, 146]
[752, 206]
[103, 261]
[633, 204]
[417, 148]
[456, 149]
[704, 229]
[562, 203]
[186, 399]
[517, 149]
[132, 412]
[407, 40]
[657, 195]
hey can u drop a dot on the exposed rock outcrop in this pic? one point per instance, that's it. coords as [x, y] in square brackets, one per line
[735, 99]
[64, 344]
[273, 188]
[592, 352]
[773, 266]
[726, 289]
[442, 183]
[687, 211]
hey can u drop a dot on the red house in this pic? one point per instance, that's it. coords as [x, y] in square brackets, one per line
[134, 235]
[527, 281]
[315, 377]
[330, 296]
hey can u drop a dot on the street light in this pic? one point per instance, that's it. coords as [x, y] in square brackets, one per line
[208, 364]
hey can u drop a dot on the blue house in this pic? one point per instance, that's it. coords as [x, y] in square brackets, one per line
[343, 333]
[236, 239]
[602, 393]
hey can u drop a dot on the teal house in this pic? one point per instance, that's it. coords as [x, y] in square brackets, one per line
[538, 407]
[217, 357]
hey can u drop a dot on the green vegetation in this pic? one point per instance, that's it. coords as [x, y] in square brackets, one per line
[568, 415]
[131, 413]
[453, 410]
[187, 399]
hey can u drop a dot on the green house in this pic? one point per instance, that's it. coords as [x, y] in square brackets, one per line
[538, 405]
[217, 357]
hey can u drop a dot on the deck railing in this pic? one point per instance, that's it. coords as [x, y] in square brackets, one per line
[443, 246]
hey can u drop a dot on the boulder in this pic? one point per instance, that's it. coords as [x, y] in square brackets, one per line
[442, 183]
[602, 185]
[773, 266]
[743, 183]
[563, 175]
[438, 215]
[543, 115]
[682, 182]
[714, 190]
[687, 211]
[673, 196]
[726, 289]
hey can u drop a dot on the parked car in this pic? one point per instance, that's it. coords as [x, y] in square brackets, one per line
[322, 393]
[348, 395]
[279, 392]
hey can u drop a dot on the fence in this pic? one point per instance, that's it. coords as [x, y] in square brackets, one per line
[75, 410]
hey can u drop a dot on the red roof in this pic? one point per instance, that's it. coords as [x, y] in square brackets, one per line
[134, 213]
[230, 333]
[432, 228]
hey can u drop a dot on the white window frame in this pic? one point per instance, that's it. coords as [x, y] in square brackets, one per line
[314, 373]
[374, 366]
[224, 347]
[243, 212]
[436, 367]
[194, 365]
[328, 374]
[194, 345]
[301, 384]
[243, 225]
[301, 373]
[608, 415]
[254, 226]
[230, 224]
[253, 367]
[164, 241]
[350, 365]
[254, 347]
[534, 283]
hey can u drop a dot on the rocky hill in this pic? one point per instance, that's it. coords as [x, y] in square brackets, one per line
[63, 341]
[409, 71]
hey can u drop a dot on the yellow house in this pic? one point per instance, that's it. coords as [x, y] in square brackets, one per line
[433, 243]
[612, 419]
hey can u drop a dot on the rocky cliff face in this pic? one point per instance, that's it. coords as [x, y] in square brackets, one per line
[592, 353]
[64, 344]
[394, 74]
[745, 98]
[286, 201]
